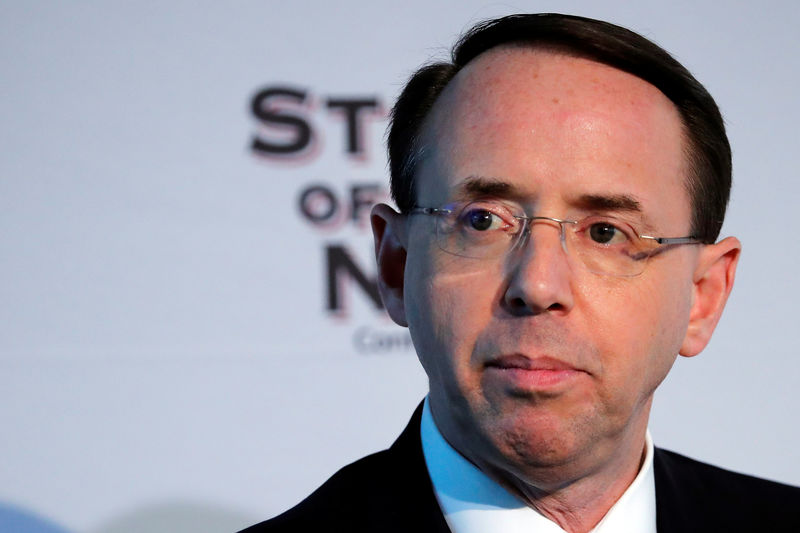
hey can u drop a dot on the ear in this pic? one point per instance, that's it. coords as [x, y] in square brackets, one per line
[391, 242]
[713, 281]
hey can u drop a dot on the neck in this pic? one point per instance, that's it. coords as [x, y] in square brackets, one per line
[577, 504]
[577, 493]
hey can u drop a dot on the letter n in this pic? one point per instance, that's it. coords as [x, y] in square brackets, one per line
[342, 269]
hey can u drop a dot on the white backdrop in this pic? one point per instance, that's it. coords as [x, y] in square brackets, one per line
[170, 359]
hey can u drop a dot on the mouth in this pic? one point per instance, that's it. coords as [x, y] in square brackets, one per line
[532, 374]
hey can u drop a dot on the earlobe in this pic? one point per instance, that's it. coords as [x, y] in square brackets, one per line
[713, 281]
[391, 242]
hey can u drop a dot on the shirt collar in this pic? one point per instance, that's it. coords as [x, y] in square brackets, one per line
[474, 503]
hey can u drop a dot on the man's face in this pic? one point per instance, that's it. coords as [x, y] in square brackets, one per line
[535, 364]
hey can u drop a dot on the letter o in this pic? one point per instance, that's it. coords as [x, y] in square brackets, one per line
[318, 204]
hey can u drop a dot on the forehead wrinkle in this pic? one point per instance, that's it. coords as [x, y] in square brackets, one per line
[478, 97]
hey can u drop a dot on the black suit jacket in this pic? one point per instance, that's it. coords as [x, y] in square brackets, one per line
[390, 491]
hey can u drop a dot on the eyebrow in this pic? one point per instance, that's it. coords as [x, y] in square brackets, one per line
[612, 202]
[479, 186]
[476, 186]
[624, 203]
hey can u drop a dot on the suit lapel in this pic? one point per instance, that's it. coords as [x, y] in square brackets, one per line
[416, 506]
[675, 499]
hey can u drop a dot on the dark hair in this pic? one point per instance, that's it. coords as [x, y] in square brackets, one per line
[708, 150]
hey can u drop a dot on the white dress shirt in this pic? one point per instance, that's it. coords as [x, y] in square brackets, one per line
[474, 503]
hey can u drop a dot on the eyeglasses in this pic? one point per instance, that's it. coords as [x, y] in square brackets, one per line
[490, 228]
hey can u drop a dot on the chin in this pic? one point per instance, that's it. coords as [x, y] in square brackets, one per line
[534, 441]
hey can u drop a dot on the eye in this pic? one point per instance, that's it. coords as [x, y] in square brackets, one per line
[607, 232]
[483, 220]
[486, 217]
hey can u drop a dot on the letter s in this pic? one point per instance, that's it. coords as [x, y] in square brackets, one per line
[264, 108]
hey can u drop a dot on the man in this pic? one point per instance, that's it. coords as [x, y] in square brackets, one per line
[561, 187]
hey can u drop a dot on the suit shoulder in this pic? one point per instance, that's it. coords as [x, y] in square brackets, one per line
[722, 495]
[388, 491]
[339, 500]
[709, 475]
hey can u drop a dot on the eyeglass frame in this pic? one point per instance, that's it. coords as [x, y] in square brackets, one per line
[526, 229]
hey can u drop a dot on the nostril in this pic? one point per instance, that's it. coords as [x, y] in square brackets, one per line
[517, 303]
[518, 307]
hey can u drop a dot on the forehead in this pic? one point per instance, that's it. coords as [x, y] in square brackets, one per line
[550, 122]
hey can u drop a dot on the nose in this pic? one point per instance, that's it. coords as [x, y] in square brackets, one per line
[540, 273]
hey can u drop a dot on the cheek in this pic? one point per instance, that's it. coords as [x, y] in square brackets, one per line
[638, 327]
[446, 312]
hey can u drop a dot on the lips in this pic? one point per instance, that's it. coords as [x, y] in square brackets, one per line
[524, 373]
[522, 362]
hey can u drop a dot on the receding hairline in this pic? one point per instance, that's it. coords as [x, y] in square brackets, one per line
[707, 152]
[425, 138]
